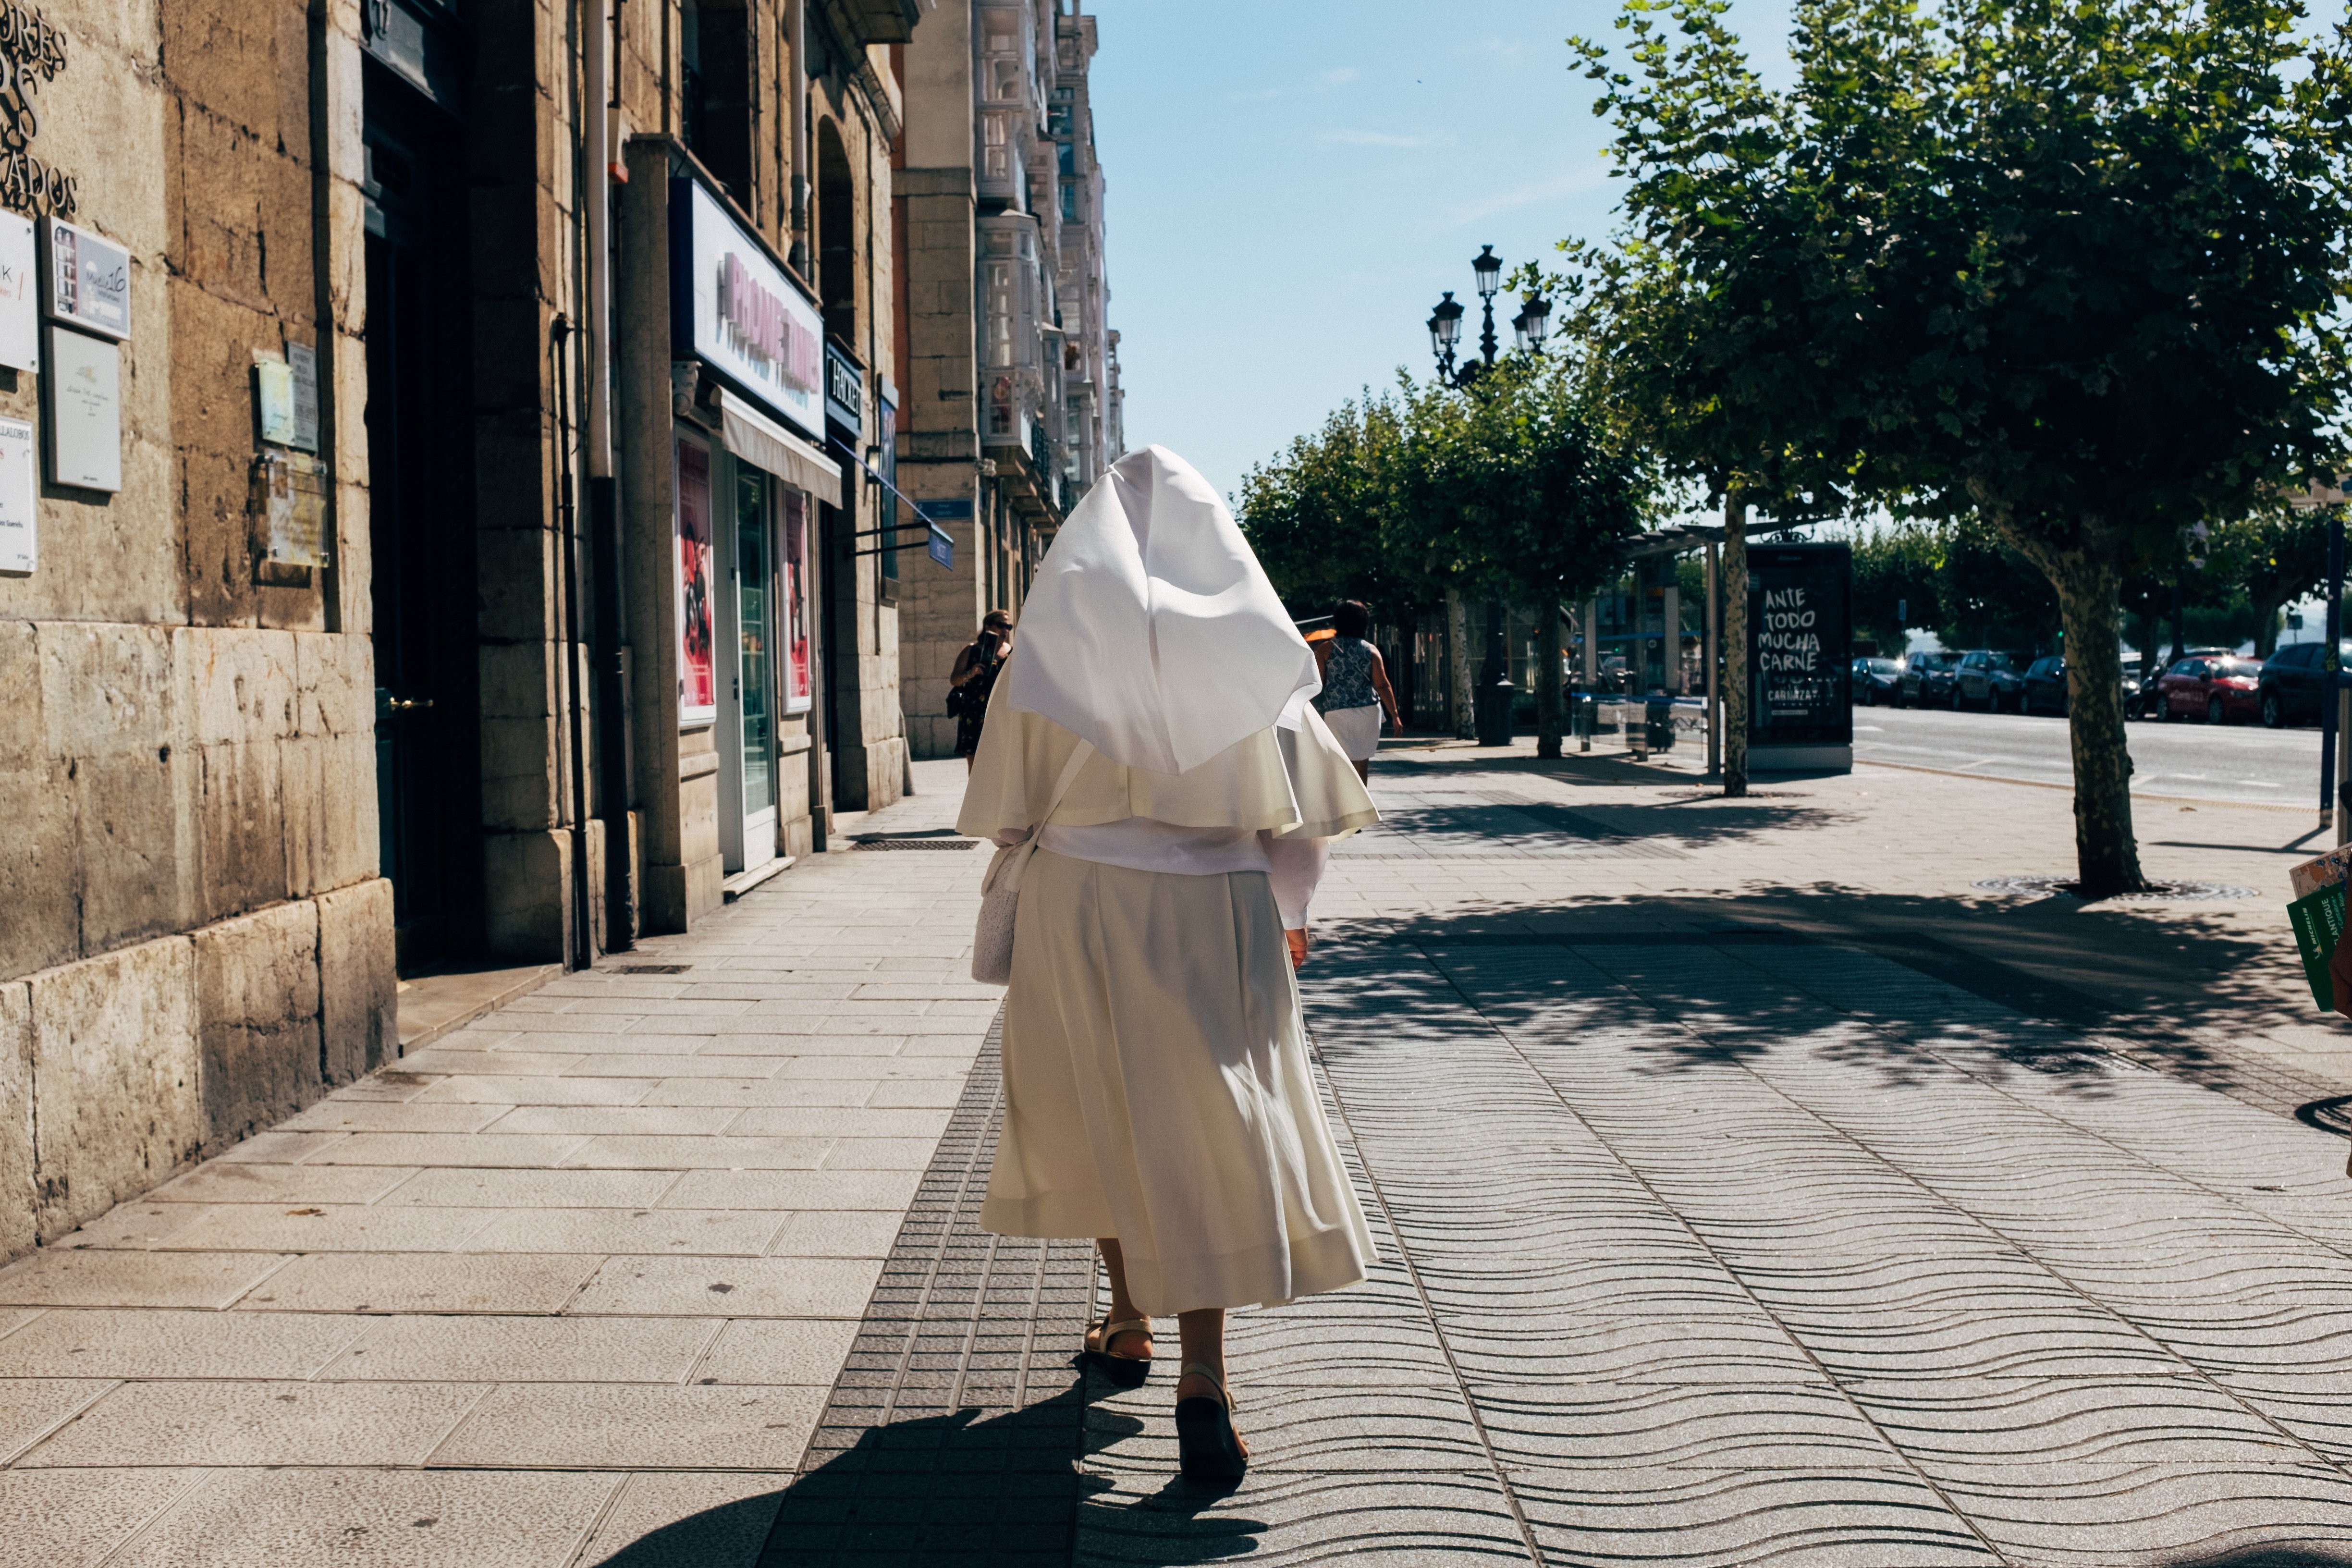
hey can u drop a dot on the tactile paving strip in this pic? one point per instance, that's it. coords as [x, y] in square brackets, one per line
[953, 1432]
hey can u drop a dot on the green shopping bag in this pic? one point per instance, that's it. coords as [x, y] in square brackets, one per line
[2318, 921]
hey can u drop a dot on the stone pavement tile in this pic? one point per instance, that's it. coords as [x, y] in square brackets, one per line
[636, 1065]
[881, 1154]
[1429, 1519]
[91, 1343]
[729, 1287]
[507, 1189]
[523, 1150]
[726, 1152]
[688, 1520]
[339, 1115]
[738, 1094]
[497, 1089]
[1595, 1427]
[278, 1148]
[522, 1350]
[414, 1282]
[32, 1407]
[774, 1352]
[400, 1519]
[887, 1191]
[2069, 1421]
[836, 1122]
[137, 1224]
[588, 1426]
[766, 1045]
[526, 1024]
[220, 1183]
[236, 1423]
[1705, 1517]
[940, 1093]
[852, 1233]
[685, 1233]
[872, 1070]
[436, 1058]
[2220, 1511]
[57, 1277]
[656, 1037]
[688, 1005]
[74, 1519]
[692, 1120]
[1544, 1352]
[313, 1227]
[1290, 1428]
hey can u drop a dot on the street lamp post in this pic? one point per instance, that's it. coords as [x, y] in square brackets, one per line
[1495, 692]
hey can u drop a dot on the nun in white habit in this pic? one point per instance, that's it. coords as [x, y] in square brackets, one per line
[1156, 1091]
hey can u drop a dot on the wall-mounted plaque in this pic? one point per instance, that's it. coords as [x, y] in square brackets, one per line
[81, 394]
[17, 491]
[273, 402]
[290, 492]
[20, 309]
[85, 281]
[303, 360]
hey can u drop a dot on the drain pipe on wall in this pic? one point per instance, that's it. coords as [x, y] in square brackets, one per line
[798, 23]
[611, 686]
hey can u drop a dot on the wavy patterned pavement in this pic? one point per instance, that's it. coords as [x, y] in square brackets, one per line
[1719, 1247]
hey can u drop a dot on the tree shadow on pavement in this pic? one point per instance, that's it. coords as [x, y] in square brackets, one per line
[969, 1486]
[2261, 1557]
[1898, 979]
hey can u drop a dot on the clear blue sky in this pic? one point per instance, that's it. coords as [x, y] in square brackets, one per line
[1291, 183]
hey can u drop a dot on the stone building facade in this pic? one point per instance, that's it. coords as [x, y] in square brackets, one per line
[503, 406]
[1005, 348]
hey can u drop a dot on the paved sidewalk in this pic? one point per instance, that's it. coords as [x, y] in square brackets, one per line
[1749, 1188]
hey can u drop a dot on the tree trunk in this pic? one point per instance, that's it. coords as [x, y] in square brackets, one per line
[1457, 655]
[1735, 644]
[2267, 629]
[2106, 856]
[1548, 657]
[2179, 623]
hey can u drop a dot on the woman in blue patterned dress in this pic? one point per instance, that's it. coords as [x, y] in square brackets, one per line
[1355, 687]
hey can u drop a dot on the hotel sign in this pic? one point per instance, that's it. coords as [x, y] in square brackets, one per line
[732, 308]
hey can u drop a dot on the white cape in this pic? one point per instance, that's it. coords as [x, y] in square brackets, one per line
[1151, 629]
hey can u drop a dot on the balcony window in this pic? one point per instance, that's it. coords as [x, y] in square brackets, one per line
[1000, 313]
[1004, 82]
[1068, 158]
[1061, 112]
[995, 152]
[1069, 201]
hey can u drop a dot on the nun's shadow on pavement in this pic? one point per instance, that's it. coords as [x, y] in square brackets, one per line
[968, 1486]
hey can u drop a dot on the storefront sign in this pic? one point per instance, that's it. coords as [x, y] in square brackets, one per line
[943, 549]
[697, 672]
[20, 309]
[844, 391]
[799, 672]
[1798, 605]
[83, 389]
[735, 309]
[85, 281]
[17, 491]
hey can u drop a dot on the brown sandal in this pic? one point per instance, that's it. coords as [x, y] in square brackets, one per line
[1126, 1370]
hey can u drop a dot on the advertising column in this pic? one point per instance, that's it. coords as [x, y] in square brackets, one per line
[1799, 617]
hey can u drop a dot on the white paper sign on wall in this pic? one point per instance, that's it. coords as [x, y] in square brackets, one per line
[20, 309]
[18, 492]
[85, 279]
[83, 392]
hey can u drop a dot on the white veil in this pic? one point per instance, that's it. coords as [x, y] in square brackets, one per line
[1151, 629]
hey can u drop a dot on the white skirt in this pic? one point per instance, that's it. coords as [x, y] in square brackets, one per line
[1157, 1090]
[1358, 731]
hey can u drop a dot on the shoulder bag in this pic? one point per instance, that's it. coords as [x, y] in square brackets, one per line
[1000, 894]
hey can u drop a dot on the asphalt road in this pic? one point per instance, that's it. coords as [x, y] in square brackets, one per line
[2203, 762]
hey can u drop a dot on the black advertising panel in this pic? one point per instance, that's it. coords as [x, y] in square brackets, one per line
[1799, 618]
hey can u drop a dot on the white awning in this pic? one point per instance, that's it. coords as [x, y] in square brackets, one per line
[765, 444]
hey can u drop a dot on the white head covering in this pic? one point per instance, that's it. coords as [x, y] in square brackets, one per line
[1151, 629]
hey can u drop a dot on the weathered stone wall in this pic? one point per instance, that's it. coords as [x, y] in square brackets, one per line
[195, 941]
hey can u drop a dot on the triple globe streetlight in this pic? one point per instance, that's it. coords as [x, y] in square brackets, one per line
[1496, 692]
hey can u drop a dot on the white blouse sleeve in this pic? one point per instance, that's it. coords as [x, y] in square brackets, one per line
[1295, 866]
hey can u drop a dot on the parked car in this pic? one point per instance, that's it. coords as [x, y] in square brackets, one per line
[1986, 679]
[1876, 680]
[2292, 682]
[1926, 677]
[2145, 700]
[2046, 686]
[2214, 687]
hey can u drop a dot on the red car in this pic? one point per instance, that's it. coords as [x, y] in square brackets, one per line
[2214, 689]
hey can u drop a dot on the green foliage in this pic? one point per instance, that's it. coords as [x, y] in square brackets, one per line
[1513, 486]
[1894, 584]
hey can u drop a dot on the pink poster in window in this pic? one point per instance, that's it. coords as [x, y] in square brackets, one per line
[799, 607]
[698, 676]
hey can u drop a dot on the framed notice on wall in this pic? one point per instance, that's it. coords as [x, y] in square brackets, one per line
[17, 489]
[698, 670]
[86, 280]
[20, 309]
[798, 609]
[83, 392]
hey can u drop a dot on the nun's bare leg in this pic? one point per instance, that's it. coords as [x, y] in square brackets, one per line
[1202, 1334]
[1135, 1342]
